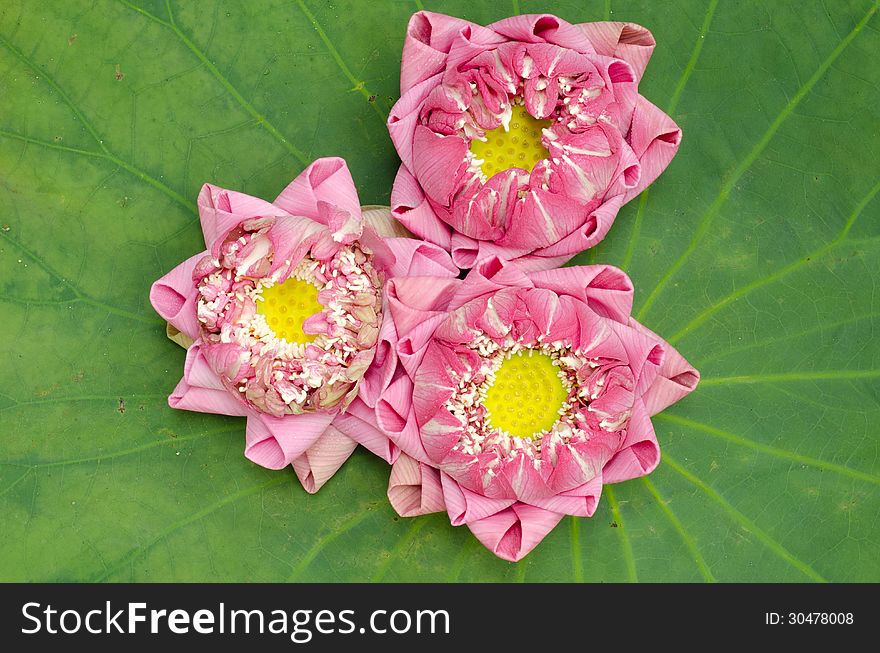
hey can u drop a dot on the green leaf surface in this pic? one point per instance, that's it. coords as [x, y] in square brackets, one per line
[756, 253]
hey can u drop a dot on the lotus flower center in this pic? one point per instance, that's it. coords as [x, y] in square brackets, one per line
[526, 397]
[287, 305]
[518, 147]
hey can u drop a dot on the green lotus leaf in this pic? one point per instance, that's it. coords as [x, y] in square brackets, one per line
[756, 254]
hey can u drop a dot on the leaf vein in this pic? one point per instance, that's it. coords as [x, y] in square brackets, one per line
[405, 542]
[107, 154]
[135, 553]
[670, 109]
[625, 543]
[79, 295]
[744, 521]
[327, 539]
[781, 273]
[731, 181]
[792, 376]
[686, 537]
[770, 450]
[225, 83]
[359, 85]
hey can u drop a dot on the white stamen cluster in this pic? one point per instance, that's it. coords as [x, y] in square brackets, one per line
[466, 404]
[272, 374]
[257, 328]
[570, 111]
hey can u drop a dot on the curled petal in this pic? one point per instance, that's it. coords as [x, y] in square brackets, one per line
[581, 501]
[221, 211]
[628, 41]
[466, 252]
[345, 227]
[644, 354]
[605, 289]
[404, 117]
[323, 459]
[413, 258]
[489, 276]
[414, 303]
[291, 238]
[593, 230]
[275, 442]
[382, 222]
[544, 28]
[174, 297]
[395, 416]
[465, 506]
[676, 377]
[515, 531]
[429, 37]
[380, 374]
[200, 389]
[438, 162]
[359, 424]
[638, 454]
[410, 206]
[543, 219]
[414, 488]
[326, 180]
[655, 139]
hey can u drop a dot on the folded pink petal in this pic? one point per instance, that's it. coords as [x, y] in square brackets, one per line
[379, 219]
[404, 117]
[413, 300]
[581, 501]
[488, 276]
[396, 418]
[644, 354]
[429, 37]
[174, 297]
[607, 290]
[438, 163]
[358, 422]
[275, 442]
[676, 377]
[221, 211]
[544, 28]
[628, 41]
[414, 488]
[200, 389]
[409, 205]
[380, 373]
[515, 531]
[544, 219]
[322, 460]
[326, 180]
[638, 454]
[594, 229]
[414, 258]
[291, 238]
[466, 506]
[655, 139]
[466, 252]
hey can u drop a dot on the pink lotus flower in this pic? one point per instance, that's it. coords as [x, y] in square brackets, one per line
[282, 315]
[515, 395]
[524, 138]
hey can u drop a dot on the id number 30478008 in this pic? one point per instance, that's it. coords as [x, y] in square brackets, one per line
[808, 618]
